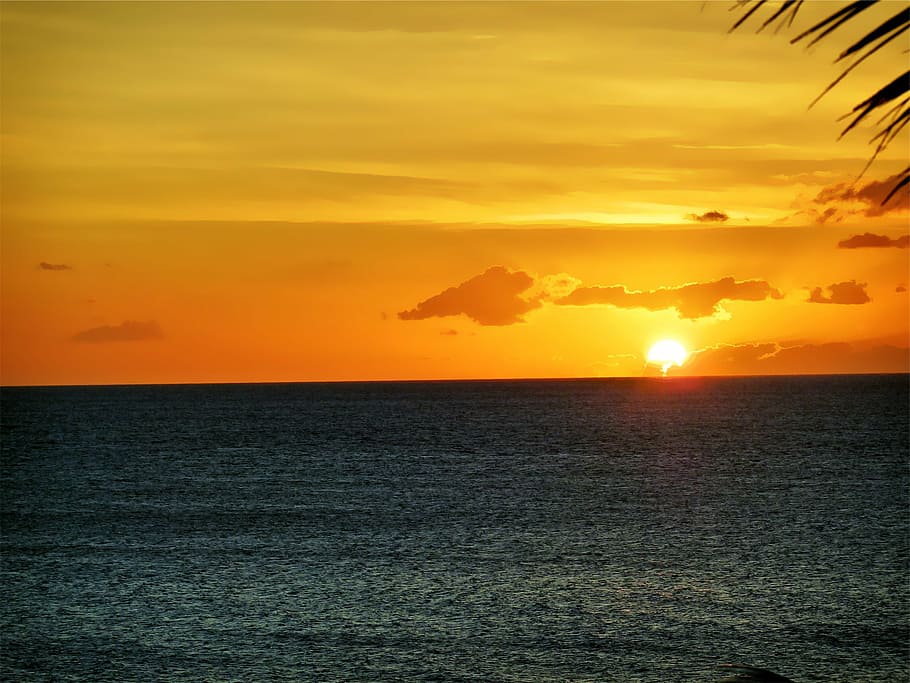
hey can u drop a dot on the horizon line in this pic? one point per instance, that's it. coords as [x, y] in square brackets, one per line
[443, 380]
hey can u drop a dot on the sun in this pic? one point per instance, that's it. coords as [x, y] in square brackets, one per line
[667, 353]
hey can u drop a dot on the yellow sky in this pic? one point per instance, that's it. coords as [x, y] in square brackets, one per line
[263, 192]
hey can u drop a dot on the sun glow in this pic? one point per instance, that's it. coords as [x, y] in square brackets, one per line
[666, 353]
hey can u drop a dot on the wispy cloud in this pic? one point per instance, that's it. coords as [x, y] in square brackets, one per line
[867, 239]
[850, 292]
[768, 145]
[693, 300]
[127, 331]
[44, 265]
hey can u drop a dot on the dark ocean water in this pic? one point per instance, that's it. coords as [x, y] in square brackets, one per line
[597, 530]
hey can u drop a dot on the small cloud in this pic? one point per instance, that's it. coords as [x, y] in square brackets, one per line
[449, 333]
[693, 300]
[491, 298]
[867, 239]
[900, 288]
[53, 266]
[709, 217]
[127, 331]
[851, 292]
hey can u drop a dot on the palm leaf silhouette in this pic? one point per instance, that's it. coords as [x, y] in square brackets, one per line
[893, 94]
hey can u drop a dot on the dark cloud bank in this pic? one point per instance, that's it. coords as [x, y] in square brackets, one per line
[495, 297]
[869, 240]
[772, 359]
[694, 300]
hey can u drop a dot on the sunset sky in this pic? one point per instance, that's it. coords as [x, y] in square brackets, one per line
[210, 192]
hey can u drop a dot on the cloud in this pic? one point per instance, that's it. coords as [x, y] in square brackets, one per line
[491, 298]
[709, 217]
[844, 200]
[694, 300]
[449, 333]
[265, 183]
[53, 266]
[616, 360]
[127, 331]
[732, 355]
[900, 288]
[798, 359]
[550, 287]
[851, 292]
[867, 239]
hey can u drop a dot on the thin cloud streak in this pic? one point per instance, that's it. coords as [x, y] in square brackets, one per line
[127, 331]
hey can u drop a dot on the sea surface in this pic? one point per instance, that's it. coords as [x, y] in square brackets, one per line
[588, 530]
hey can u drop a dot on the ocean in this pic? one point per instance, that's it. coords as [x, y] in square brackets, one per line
[585, 530]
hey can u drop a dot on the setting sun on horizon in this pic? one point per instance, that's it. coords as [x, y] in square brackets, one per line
[233, 192]
[666, 353]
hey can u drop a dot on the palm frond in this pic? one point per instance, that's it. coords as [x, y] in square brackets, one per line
[903, 182]
[885, 136]
[898, 24]
[855, 64]
[894, 111]
[889, 93]
[748, 14]
[894, 93]
[891, 131]
[835, 20]
[788, 5]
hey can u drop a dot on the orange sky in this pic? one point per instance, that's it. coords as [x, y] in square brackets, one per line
[211, 192]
